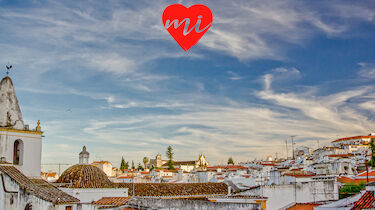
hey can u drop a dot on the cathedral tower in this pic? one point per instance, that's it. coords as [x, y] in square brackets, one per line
[19, 145]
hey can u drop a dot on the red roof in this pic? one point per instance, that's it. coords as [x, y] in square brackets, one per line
[341, 155]
[304, 206]
[166, 170]
[351, 138]
[299, 175]
[117, 201]
[100, 162]
[46, 174]
[268, 164]
[364, 174]
[227, 167]
[344, 179]
[125, 177]
[145, 172]
[366, 201]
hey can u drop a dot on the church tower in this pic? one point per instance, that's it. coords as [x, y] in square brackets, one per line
[19, 145]
[84, 156]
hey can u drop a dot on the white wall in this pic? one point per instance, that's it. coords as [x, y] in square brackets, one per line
[187, 168]
[32, 151]
[300, 192]
[93, 194]
[107, 168]
[18, 201]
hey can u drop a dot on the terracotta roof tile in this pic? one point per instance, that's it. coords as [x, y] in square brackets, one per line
[370, 173]
[299, 175]
[178, 163]
[179, 189]
[341, 155]
[100, 162]
[113, 201]
[84, 176]
[366, 201]
[304, 206]
[38, 187]
[351, 138]
[227, 167]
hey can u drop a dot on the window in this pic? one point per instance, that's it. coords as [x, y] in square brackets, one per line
[68, 208]
[28, 206]
[18, 152]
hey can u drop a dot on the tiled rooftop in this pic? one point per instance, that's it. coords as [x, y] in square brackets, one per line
[84, 176]
[165, 189]
[304, 206]
[38, 187]
[351, 138]
[113, 201]
[365, 202]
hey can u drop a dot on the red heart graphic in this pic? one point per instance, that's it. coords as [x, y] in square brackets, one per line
[187, 25]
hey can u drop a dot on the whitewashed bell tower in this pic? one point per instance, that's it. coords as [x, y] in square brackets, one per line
[84, 156]
[19, 145]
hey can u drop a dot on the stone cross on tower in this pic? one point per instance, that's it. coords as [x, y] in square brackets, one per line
[84, 156]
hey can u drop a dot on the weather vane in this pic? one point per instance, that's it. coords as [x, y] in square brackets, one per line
[8, 68]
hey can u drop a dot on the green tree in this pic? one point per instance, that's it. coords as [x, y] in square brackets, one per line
[350, 189]
[145, 161]
[123, 164]
[140, 168]
[230, 161]
[133, 166]
[170, 158]
[127, 165]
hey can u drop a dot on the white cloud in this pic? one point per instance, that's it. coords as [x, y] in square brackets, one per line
[367, 71]
[234, 75]
[90, 39]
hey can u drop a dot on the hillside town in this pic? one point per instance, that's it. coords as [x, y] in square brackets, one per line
[339, 176]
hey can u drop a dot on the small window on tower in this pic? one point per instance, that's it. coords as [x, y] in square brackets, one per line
[18, 152]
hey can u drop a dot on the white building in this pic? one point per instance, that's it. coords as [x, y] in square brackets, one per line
[354, 140]
[89, 184]
[49, 176]
[297, 189]
[18, 144]
[20, 151]
[186, 166]
[105, 166]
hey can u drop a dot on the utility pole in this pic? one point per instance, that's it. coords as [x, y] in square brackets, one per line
[58, 165]
[292, 147]
[286, 145]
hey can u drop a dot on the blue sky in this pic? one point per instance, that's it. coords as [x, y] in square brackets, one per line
[106, 74]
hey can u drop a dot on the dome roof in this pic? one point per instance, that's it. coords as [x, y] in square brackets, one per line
[84, 152]
[84, 176]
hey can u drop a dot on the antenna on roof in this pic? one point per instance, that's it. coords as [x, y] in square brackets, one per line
[9, 67]
[293, 146]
